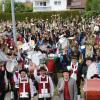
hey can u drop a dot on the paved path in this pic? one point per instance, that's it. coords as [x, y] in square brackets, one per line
[8, 97]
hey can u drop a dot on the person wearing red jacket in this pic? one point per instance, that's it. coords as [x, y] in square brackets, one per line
[50, 64]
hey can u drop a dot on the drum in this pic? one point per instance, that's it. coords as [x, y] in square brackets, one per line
[92, 89]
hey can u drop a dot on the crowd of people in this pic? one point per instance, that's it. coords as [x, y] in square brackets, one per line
[44, 48]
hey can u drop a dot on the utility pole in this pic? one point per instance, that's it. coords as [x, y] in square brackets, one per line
[3, 6]
[13, 21]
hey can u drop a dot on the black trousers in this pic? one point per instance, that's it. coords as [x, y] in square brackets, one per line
[24, 99]
[10, 78]
[15, 94]
[2, 95]
[44, 98]
[78, 82]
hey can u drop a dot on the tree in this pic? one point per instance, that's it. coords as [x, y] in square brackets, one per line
[93, 5]
[8, 6]
[88, 5]
[19, 7]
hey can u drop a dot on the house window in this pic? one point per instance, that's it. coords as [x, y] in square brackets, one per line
[40, 3]
[37, 3]
[57, 2]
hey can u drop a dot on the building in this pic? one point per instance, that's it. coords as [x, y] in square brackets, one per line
[76, 4]
[49, 5]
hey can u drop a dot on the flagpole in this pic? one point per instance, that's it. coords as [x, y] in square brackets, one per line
[3, 6]
[13, 20]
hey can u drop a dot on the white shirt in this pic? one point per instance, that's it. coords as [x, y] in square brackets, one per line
[96, 28]
[92, 69]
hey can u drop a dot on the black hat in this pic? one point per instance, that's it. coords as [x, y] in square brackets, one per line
[42, 68]
[74, 56]
[65, 71]
[89, 58]
[95, 76]
[23, 70]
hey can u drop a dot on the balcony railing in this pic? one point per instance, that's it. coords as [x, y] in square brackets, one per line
[42, 8]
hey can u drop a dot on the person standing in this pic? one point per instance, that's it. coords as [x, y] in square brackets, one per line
[26, 91]
[92, 68]
[76, 73]
[67, 89]
[2, 82]
[45, 84]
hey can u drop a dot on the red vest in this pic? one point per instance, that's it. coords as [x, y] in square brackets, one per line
[50, 65]
[24, 87]
[44, 84]
[66, 91]
[76, 71]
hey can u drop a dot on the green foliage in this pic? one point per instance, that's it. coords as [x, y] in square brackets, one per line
[92, 8]
[96, 6]
[8, 6]
[88, 14]
[19, 7]
[88, 5]
[93, 5]
[0, 6]
[40, 15]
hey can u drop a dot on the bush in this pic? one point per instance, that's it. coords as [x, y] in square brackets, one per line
[38, 15]
[89, 14]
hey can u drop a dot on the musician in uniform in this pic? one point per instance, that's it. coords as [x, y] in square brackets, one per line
[16, 82]
[45, 84]
[26, 91]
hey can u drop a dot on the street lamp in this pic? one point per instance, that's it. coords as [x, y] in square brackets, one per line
[13, 20]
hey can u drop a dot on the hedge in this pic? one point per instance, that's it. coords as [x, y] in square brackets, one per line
[38, 15]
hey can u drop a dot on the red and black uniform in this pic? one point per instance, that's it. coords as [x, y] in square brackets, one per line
[24, 89]
[44, 88]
